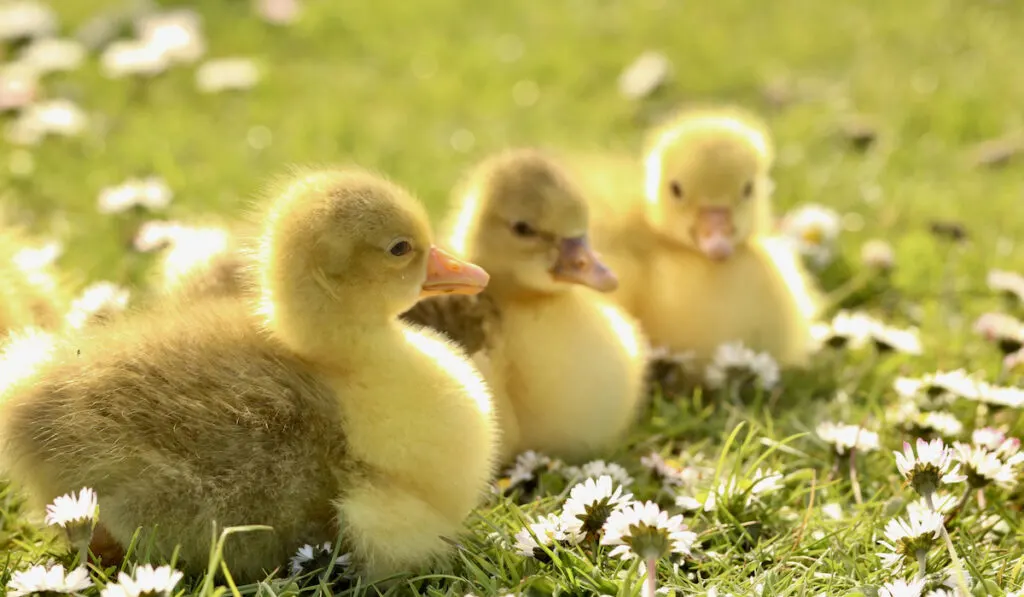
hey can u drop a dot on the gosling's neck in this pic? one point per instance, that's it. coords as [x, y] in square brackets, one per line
[333, 331]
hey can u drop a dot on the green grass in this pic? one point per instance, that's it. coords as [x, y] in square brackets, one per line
[388, 84]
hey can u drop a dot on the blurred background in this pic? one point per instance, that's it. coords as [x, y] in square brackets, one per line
[894, 114]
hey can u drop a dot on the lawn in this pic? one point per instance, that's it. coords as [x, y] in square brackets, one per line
[421, 90]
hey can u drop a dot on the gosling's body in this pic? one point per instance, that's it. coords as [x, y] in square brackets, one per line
[565, 365]
[318, 414]
[699, 265]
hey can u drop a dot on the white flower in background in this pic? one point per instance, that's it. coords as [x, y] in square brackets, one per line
[944, 423]
[813, 231]
[749, 489]
[26, 19]
[51, 54]
[69, 510]
[191, 250]
[278, 12]
[957, 383]
[984, 468]
[97, 302]
[145, 582]
[157, 234]
[42, 580]
[734, 361]
[643, 530]
[176, 34]
[36, 258]
[944, 504]
[19, 85]
[1014, 362]
[215, 76]
[127, 58]
[902, 588]
[1010, 283]
[843, 437]
[878, 254]
[528, 465]
[644, 75]
[688, 503]
[598, 468]
[671, 472]
[52, 117]
[833, 510]
[846, 330]
[995, 441]
[903, 340]
[590, 504]
[543, 532]
[150, 192]
[930, 467]
[1004, 330]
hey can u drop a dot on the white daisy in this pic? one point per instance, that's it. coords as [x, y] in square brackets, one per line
[957, 383]
[306, 554]
[191, 250]
[547, 532]
[527, 466]
[19, 85]
[51, 54]
[176, 34]
[733, 360]
[644, 75]
[995, 440]
[919, 532]
[901, 588]
[97, 302]
[1004, 330]
[597, 468]
[278, 12]
[589, 505]
[746, 492]
[846, 330]
[26, 19]
[1014, 362]
[151, 192]
[126, 58]
[43, 580]
[72, 510]
[37, 258]
[813, 230]
[156, 234]
[843, 437]
[1010, 283]
[944, 423]
[146, 581]
[51, 117]
[227, 74]
[645, 531]
[878, 254]
[944, 504]
[889, 338]
[930, 467]
[984, 468]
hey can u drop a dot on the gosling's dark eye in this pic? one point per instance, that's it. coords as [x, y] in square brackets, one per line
[523, 229]
[748, 190]
[400, 248]
[677, 189]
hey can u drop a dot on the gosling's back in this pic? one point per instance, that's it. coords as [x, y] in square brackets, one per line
[187, 416]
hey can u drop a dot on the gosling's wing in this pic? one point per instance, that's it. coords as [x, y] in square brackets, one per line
[469, 321]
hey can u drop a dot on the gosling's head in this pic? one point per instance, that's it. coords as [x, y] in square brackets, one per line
[707, 182]
[526, 223]
[349, 243]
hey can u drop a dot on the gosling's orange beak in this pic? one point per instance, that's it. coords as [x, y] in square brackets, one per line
[577, 264]
[448, 275]
[714, 231]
